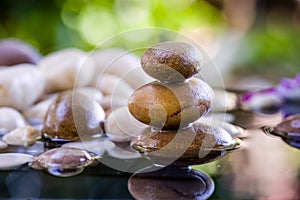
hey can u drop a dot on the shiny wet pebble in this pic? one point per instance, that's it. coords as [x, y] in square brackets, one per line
[11, 161]
[64, 161]
[290, 125]
[288, 129]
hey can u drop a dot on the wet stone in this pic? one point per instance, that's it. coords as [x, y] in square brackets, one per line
[11, 161]
[64, 161]
[290, 125]
[288, 130]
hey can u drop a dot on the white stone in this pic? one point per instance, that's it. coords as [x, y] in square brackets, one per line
[23, 136]
[11, 161]
[20, 86]
[121, 126]
[66, 69]
[113, 102]
[233, 130]
[114, 85]
[36, 113]
[91, 92]
[121, 63]
[10, 119]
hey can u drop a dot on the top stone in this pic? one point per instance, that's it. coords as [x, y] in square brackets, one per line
[171, 61]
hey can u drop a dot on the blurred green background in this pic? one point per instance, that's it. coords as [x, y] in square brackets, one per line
[266, 32]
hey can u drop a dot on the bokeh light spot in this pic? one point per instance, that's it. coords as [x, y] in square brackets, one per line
[96, 24]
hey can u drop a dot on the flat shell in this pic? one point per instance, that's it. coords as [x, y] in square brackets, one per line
[13, 160]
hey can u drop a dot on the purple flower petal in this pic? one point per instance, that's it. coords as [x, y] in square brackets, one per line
[286, 83]
[249, 95]
[297, 79]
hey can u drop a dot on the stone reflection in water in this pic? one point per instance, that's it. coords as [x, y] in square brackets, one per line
[264, 168]
[171, 182]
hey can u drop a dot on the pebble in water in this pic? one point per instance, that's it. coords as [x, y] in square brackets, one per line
[64, 161]
[289, 125]
[72, 116]
[11, 161]
[288, 130]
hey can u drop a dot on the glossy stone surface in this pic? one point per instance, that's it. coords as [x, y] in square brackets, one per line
[171, 61]
[64, 161]
[289, 125]
[197, 144]
[72, 116]
[171, 106]
[288, 130]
